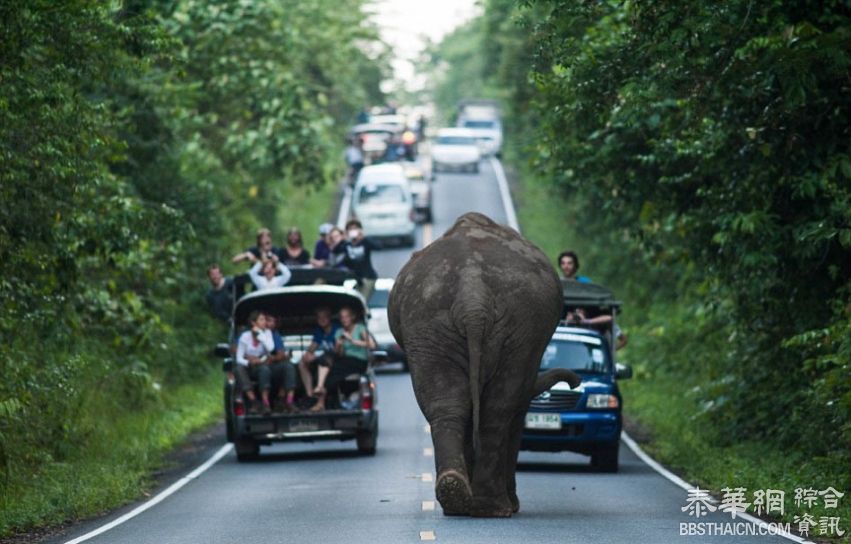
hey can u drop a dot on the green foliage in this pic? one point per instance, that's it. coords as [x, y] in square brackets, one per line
[716, 139]
[696, 154]
[139, 141]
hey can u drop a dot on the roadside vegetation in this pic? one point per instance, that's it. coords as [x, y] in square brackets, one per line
[697, 157]
[141, 141]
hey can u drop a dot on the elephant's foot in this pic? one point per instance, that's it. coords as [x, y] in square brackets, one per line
[515, 502]
[489, 507]
[454, 493]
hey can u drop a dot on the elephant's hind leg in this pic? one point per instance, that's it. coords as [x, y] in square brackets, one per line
[515, 437]
[490, 475]
[445, 401]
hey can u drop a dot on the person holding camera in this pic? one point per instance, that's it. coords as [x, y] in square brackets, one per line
[262, 251]
[253, 356]
[352, 343]
[263, 273]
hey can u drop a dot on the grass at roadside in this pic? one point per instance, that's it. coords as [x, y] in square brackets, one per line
[115, 465]
[666, 403]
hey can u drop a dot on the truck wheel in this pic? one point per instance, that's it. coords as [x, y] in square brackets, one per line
[368, 440]
[246, 449]
[606, 460]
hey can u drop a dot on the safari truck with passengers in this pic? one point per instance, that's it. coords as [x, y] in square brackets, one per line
[587, 419]
[308, 376]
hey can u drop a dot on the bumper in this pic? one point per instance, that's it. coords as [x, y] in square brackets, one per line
[386, 230]
[327, 425]
[454, 164]
[581, 432]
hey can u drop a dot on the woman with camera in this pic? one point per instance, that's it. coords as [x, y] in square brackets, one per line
[253, 355]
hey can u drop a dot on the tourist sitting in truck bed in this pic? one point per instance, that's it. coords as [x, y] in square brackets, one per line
[320, 350]
[283, 371]
[253, 353]
[351, 356]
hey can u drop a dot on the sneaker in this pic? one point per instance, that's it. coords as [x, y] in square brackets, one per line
[255, 407]
[267, 408]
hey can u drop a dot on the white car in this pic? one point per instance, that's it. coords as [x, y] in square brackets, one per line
[487, 131]
[421, 190]
[396, 121]
[455, 149]
[383, 203]
[379, 326]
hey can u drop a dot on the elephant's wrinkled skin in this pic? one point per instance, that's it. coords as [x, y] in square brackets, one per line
[474, 312]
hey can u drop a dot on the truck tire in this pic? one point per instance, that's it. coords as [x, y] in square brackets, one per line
[606, 460]
[246, 449]
[229, 424]
[368, 441]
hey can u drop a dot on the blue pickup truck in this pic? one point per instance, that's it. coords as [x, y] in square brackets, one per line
[587, 419]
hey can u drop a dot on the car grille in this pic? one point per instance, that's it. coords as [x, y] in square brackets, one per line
[555, 401]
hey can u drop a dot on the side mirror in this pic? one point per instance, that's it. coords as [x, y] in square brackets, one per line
[623, 372]
[222, 350]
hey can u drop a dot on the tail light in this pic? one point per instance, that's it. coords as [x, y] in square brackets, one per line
[239, 408]
[367, 390]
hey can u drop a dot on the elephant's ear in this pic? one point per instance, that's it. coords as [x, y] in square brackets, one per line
[551, 377]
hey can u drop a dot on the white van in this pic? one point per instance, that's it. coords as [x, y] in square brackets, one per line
[383, 203]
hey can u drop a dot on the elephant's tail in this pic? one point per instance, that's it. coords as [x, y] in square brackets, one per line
[474, 352]
[551, 377]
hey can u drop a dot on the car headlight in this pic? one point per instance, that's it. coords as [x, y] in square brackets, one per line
[602, 401]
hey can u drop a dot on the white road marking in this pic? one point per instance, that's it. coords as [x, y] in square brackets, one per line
[428, 452]
[427, 477]
[636, 449]
[508, 204]
[427, 428]
[427, 234]
[428, 506]
[161, 496]
[427, 535]
[345, 204]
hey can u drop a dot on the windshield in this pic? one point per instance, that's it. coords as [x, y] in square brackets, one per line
[378, 299]
[381, 194]
[576, 352]
[456, 140]
[478, 124]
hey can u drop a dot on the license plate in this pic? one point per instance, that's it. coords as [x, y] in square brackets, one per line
[543, 421]
[303, 425]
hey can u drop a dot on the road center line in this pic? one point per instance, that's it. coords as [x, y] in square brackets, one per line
[161, 496]
[428, 506]
[427, 477]
[428, 452]
[427, 535]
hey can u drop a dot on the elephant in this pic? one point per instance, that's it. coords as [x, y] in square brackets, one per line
[474, 312]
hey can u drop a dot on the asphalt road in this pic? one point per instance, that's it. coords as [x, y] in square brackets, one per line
[325, 493]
